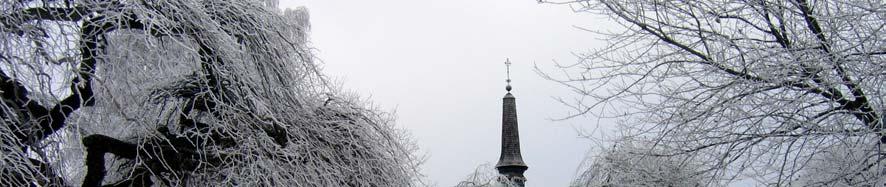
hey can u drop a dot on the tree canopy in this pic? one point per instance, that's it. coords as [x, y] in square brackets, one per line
[770, 91]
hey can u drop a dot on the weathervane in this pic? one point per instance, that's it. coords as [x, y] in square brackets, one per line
[508, 66]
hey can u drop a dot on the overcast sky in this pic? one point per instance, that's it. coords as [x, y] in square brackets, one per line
[440, 66]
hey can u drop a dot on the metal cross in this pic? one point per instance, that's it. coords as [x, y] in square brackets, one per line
[508, 65]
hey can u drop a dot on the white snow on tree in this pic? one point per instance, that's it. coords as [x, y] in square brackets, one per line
[767, 91]
[181, 93]
[486, 175]
[629, 163]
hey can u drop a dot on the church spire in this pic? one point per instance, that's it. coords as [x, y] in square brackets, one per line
[510, 164]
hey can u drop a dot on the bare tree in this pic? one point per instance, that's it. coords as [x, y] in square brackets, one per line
[754, 89]
[180, 93]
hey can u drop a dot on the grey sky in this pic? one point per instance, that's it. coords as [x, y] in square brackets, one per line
[439, 65]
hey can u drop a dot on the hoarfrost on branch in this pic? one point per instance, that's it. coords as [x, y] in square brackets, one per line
[778, 92]
[181, 93]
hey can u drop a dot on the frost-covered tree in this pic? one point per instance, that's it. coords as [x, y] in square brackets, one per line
[629, 163]
[755, 90]
[828, 167]
[486, 175]
[180, 93]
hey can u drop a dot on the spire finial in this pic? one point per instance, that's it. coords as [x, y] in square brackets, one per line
[508, 66]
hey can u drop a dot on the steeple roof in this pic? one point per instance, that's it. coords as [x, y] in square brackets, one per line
[510, 135]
